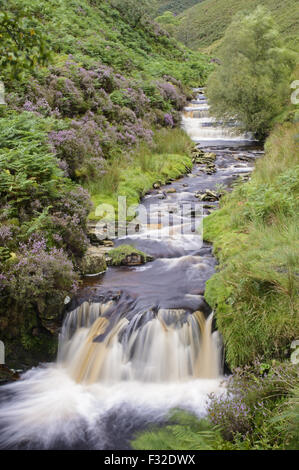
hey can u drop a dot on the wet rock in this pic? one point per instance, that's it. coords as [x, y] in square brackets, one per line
[94, 261]
[210, 169]
[98, 232]
[243, 158]
[156, 185]
[171, 190]
[95, 233]
[206, 159]
[108, 243]
[208, 195]
[210, 156]
[197, 151]
[7, 375]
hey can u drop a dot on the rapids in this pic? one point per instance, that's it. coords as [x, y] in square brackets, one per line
[137, 341]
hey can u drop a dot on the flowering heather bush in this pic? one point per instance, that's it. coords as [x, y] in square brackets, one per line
[67, 232]
[5, 234]
[80, 148]
[63, 224]
[39, 273]
[171, 93]
[253, 392]
[67, 221]
[132, 132]
[168, 120]
[124, 114]
[139, 102]
[231, 414]
[67, 97]
[71, 90]
[133, 98]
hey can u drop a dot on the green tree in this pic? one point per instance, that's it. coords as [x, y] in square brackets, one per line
[133, 12]
[168, 21]
[22, 43]
[252, 82]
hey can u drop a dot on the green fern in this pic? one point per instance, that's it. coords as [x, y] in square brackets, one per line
[287, 421]
[184, 432]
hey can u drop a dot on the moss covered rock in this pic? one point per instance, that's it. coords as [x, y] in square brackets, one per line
[127, 255]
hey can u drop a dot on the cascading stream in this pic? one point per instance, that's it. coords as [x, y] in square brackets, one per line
[202, 128]
[140, 340]
[171, 346]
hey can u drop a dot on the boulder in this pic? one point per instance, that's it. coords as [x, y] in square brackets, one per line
[127, 255]
[204, 158]
[208, 195]
[94, 261]
[7, 375]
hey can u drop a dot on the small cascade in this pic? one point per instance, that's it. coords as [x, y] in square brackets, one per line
[172, 346]
[203, 129]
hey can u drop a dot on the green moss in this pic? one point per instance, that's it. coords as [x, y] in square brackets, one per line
[119, 255]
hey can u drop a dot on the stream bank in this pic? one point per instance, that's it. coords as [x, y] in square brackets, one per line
[138, 340]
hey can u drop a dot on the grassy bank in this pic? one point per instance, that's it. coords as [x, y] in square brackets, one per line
[167, 158]
[255, 237]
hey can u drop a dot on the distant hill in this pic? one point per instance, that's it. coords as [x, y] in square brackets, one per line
[204, 24]
[175, 6]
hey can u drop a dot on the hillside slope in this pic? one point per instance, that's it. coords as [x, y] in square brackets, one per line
[176, 6]
[205, 23]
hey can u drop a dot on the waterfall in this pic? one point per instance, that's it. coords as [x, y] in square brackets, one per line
[202, 128]
[172, 346]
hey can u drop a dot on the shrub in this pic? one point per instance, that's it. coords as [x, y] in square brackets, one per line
[18, 55]
[80, 148]
[171, 93]
[258, 412]
[28, 171]
[254, 396]
[38, 275]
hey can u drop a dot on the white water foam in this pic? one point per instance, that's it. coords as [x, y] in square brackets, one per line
[48, 405]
